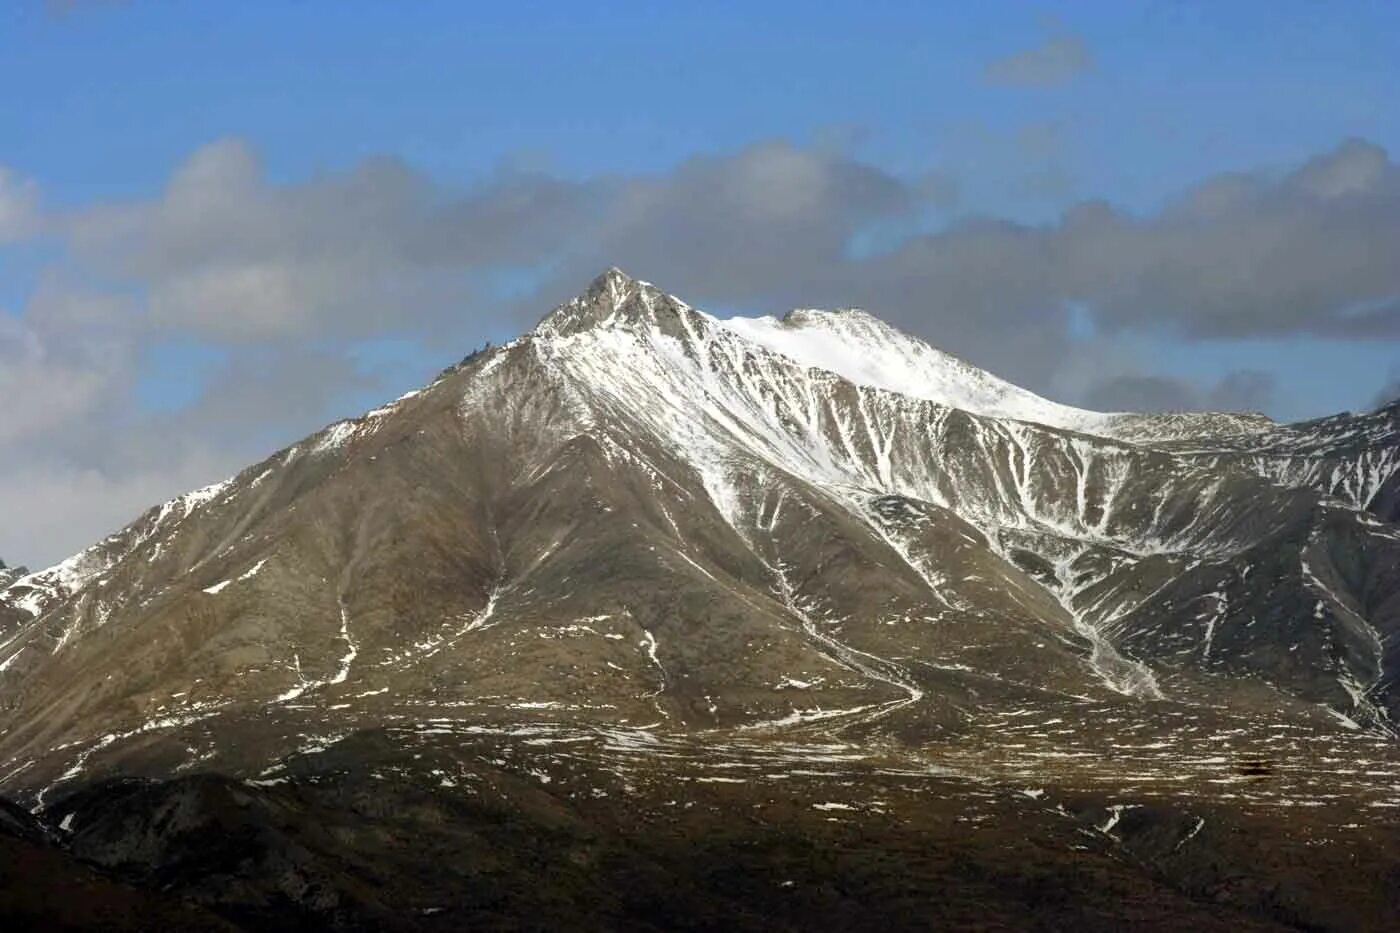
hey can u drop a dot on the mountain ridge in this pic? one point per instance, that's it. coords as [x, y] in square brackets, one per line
[633, 573]
[725, 456]
[615, 283]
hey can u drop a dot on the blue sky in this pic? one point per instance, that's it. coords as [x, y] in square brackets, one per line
[115, 95]
[511, 142]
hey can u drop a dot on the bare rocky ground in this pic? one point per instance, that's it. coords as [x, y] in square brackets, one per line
[647, 620]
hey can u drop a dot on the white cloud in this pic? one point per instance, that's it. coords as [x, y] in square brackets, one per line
[61, 365]
[53, 506]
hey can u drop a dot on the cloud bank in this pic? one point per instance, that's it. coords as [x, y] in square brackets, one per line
[298, 292]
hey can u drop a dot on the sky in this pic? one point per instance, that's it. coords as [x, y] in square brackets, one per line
[223, 226]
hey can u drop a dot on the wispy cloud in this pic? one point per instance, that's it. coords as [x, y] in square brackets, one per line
[1060, 57]
[19, 206]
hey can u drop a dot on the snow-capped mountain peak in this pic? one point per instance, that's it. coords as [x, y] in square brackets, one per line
[612, 298]
[866, 351]
[859, 348]
[849, 343]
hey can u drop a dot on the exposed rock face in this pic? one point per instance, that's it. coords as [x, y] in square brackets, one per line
[10, 616]
[642, 522]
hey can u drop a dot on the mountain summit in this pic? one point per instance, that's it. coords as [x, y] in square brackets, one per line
[645, 524]
[600, 304]
[730, 495]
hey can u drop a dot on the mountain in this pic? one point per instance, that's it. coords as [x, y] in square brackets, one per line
[642, 558]
[1355, 458]
[9, 575]
[10, 615]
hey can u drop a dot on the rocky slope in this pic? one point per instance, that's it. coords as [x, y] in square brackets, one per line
[10, 615]
[9, 575]
[804, 540]
[1354, 458]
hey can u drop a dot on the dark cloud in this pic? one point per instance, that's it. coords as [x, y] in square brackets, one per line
[1313, 252]
[737, 227]
[1241, 390]
[1389, 392]
[225, 254]
[284, 280]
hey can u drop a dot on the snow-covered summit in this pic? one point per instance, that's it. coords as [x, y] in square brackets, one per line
[865, 350]
[607, 301]
[862, 349]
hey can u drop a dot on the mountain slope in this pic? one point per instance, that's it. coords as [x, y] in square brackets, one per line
[866, 351]
[1354, 458]
[638, 516]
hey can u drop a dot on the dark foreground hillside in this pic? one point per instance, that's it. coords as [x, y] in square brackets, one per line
[45, 887]
[460, 833]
